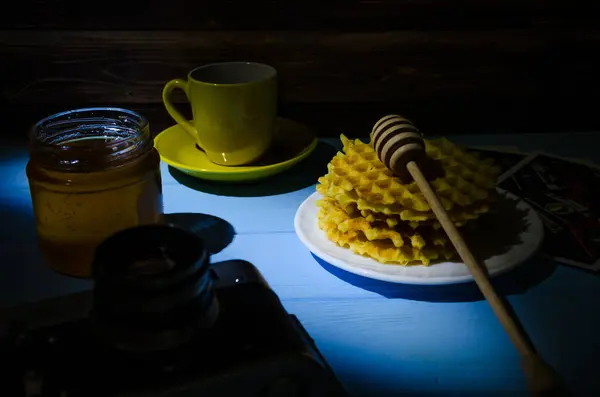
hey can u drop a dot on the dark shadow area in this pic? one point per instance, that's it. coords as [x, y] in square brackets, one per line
[301, 175]
[216, 233]
[497, 231]
[516, 281]
[17, 250]
[431, 168]
[491, 235]
[23, 276]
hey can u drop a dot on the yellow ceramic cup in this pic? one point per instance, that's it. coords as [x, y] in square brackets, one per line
[234, 107]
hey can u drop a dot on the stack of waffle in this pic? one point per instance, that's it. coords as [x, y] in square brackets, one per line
[368, 210]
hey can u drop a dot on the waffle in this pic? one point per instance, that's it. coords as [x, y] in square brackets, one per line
[412, 218]
[357, 176]
[367, 209]
[400, 245]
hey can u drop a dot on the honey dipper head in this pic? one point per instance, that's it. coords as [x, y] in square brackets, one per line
[397, 141]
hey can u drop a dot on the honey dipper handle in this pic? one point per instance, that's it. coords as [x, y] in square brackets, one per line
[541, 378]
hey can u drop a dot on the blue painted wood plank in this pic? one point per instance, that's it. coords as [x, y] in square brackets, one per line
[384, 345]
[439, 341]
[565, 336]
[13, 160]
[246, 214]
[579, 145]
[430, 346]
[22, 276]
[270, 214]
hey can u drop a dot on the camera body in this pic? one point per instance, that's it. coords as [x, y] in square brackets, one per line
[233, 339]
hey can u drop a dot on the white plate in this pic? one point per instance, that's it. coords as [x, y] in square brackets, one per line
[317, 242]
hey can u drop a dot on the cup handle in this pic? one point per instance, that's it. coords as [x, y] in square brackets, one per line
[173, 112]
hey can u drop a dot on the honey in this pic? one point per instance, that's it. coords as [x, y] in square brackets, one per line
[92, 173]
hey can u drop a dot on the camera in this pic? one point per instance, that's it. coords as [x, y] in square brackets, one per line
[164, 321]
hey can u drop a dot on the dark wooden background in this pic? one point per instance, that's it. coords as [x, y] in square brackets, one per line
[453, 66]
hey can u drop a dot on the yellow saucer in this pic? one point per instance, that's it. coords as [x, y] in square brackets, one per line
[292, 143]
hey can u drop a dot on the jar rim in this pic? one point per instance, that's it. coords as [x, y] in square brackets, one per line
[141, 120]
[49, 138]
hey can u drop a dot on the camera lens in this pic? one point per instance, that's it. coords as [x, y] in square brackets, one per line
[152, 288]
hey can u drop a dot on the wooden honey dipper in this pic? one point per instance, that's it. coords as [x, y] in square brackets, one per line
[400, 146]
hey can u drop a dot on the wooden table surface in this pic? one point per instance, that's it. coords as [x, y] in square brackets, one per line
[381, 339]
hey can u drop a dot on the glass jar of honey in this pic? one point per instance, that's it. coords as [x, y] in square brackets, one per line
[92, 172]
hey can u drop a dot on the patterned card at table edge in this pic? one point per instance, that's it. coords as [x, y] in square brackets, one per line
[593, 265]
